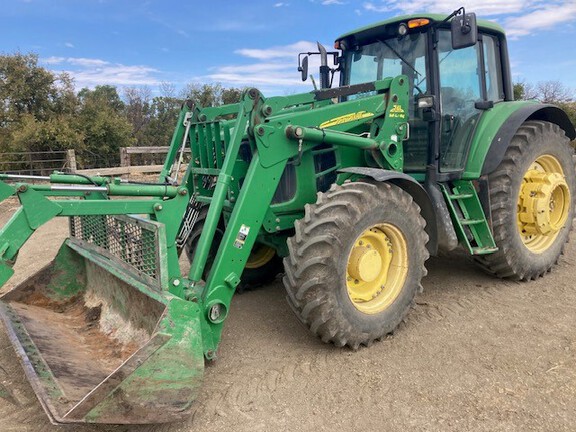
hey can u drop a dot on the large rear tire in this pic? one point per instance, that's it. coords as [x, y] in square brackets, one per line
[356, 262]
[532, 195]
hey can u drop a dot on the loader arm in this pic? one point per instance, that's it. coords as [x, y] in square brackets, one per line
[147, 328]
[276, 137]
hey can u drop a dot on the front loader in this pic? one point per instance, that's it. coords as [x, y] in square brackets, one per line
[419, 149]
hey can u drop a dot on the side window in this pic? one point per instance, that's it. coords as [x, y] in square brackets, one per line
[459, 77]
[495, 91]
[460, 88]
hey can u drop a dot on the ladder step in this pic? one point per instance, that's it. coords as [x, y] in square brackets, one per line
[460, 196]
[205, 171]
[484, 250]
[471, 221]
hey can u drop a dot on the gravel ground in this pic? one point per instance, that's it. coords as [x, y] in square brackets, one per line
[475, 354]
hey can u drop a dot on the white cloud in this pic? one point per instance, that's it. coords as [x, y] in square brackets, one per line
[53, 60]
[252, 68]
[332, 2]
[278, 52]
[86, 62]
[371, 7]
[272, 70]
[541, 19]
[89, 72]
[68, 44]
[280, 4]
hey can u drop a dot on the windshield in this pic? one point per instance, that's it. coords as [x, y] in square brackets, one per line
[389, 58]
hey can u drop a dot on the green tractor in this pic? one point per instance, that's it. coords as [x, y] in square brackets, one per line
[420, 149]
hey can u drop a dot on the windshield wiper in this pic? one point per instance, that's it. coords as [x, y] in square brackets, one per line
[399, 56]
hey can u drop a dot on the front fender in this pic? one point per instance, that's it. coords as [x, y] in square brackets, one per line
[412, 187]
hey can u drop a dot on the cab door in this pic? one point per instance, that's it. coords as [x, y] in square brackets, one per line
[461, 86]
[470, 82]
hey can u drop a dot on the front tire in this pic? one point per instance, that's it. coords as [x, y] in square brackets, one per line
[532, 195]
[263, 264]
[356, 262]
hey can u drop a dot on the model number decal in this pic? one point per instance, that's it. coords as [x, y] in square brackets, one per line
[347, 118]
[397, 112]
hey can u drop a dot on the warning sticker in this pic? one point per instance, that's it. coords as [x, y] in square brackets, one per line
[241, 237]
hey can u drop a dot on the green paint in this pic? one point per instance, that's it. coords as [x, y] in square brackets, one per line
[490, 122]
[468, 217]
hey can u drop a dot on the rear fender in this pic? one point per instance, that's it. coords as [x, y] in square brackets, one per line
[501, 140]
[412, 187]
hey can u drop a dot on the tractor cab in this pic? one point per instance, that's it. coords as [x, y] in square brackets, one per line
[456, 70]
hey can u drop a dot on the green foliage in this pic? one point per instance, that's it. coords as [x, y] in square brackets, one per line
[25, 88]
[570, 109]
[103, 123]
[40, 111]
[211, 94]
[519, 91]
[553, 92]
[37, 106]
[153, 119]
[164, 112]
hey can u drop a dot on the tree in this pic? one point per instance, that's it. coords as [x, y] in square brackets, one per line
[164, 114]
[519, 91]
[544, 91]
[524, 91]
[37, 106]
[553, 92]
[138, 111]
[231, 95]
[210, 95]
[570, 109]
[104, 126]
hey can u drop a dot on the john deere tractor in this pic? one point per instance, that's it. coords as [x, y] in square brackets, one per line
[419, 149]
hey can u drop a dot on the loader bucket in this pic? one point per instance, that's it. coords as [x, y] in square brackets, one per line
[99, 339]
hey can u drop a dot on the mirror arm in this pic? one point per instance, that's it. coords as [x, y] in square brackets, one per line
[452, 15]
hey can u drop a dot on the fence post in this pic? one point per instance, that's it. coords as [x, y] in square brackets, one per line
[124, 157]
[30, 164]
[71, 160]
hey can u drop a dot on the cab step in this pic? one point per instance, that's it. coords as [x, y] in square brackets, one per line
[468, 217]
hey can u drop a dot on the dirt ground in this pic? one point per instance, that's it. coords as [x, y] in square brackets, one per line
[475, 354]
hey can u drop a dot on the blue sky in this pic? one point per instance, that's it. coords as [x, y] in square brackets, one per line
[242, 43]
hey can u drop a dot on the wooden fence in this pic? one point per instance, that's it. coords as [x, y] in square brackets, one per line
[38, 163]
[126, 152]
[44, 163]
[126, 167]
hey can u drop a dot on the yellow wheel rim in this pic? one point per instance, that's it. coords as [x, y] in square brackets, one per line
[543, 204]
[377, 268]
[260, 256]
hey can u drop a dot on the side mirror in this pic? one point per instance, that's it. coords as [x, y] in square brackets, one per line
[304, 68]
[464, 31]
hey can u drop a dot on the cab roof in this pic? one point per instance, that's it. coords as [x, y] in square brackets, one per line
[482, 24]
